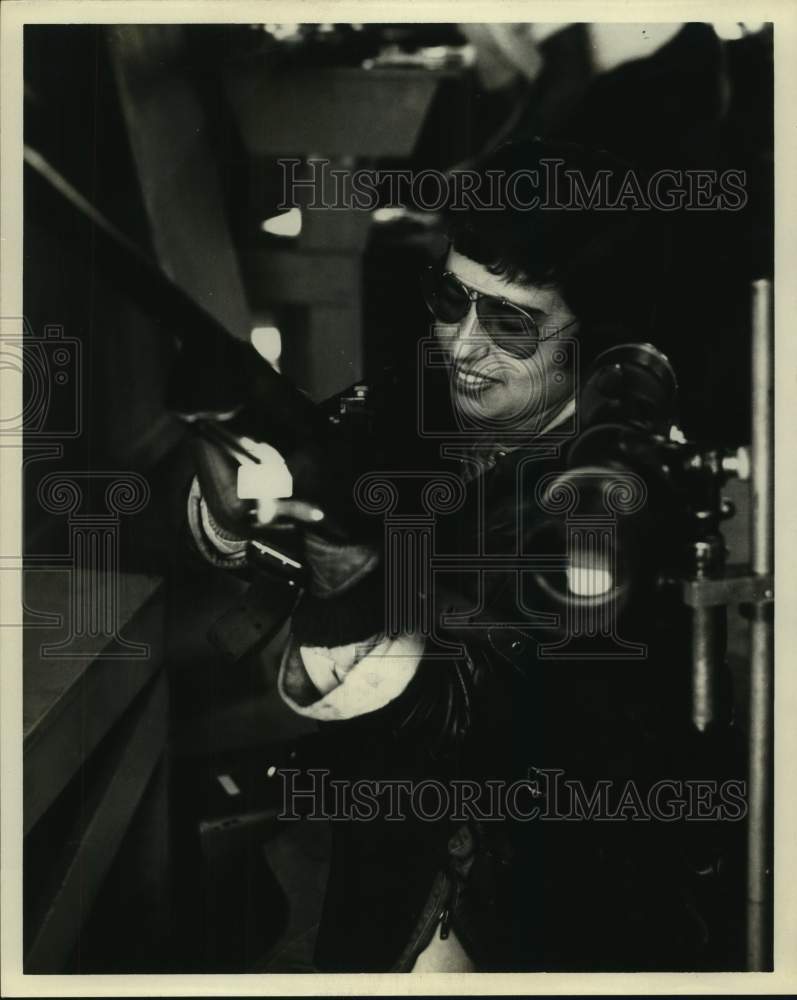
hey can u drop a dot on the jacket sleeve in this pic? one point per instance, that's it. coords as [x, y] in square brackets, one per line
[322, 675]
[214, 544]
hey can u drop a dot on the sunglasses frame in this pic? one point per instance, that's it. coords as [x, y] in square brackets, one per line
[473, 297]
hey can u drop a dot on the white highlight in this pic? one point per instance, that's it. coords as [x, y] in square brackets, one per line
[267, 341]
[614, 44]
[267, 481]
[732, 31]
[286, 224]
[588, 581]
[228, 784]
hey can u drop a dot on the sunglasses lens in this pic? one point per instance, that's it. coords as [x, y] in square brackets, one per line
[509, 329]
[445, 297]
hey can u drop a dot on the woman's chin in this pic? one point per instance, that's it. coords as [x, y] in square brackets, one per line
[478, 408]
[488, 409]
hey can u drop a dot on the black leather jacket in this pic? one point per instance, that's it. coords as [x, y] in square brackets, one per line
[545, 894]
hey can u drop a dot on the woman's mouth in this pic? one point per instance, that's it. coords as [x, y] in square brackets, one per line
[471, 381]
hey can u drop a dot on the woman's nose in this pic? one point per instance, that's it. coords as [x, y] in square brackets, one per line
[469, 342]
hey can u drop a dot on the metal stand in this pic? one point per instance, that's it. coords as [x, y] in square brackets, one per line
[710, 589]
[759, 846]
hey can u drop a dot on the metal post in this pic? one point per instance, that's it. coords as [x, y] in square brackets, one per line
[709, 635]
[759, 854]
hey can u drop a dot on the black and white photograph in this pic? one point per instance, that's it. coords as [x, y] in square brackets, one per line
[388, 497]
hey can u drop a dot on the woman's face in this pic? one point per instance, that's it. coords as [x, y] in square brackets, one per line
[491, 387]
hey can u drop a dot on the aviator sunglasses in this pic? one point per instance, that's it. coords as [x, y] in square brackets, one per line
[509, 326]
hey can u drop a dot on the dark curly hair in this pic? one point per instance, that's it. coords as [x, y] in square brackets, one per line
[609, 265]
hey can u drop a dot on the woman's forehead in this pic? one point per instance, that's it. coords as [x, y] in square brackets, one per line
[477, 276]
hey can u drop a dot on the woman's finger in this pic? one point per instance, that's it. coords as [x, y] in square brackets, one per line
[295, 510]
